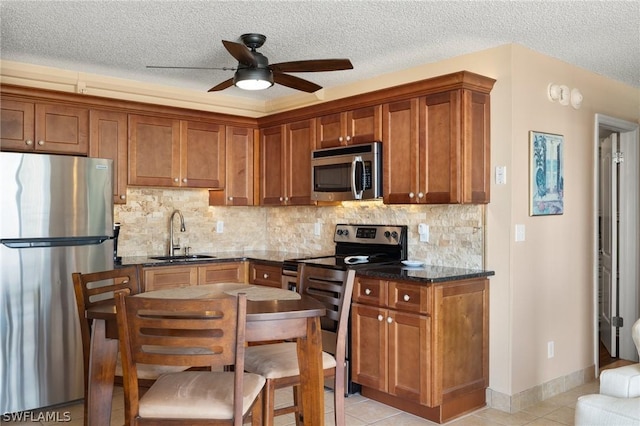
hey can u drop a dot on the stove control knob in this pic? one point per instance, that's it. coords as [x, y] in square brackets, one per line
[343, 232]
[387, 234]
[394, 235]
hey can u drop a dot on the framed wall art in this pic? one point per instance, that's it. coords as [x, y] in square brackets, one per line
[546, 174]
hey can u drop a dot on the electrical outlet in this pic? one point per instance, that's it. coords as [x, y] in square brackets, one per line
[317, 229]
[550, 349]
[220, 227]
[423, 231]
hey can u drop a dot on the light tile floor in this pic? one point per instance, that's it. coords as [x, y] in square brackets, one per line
[361, 411]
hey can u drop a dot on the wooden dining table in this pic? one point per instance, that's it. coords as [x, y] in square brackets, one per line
[272, 314]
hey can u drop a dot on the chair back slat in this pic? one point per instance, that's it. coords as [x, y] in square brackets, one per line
[185, 332]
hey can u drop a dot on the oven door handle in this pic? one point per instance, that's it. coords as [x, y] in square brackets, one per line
[357, 175]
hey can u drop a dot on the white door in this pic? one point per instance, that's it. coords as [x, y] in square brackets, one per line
[608, 242]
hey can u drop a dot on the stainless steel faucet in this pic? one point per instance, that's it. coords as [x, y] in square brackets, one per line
[172, 246]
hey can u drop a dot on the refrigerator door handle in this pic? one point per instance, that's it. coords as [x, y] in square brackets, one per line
[53, 242]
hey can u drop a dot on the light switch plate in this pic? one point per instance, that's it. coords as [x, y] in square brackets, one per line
[520, 235]
[501, 175]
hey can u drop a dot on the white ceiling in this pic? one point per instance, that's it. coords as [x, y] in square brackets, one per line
[119, 38]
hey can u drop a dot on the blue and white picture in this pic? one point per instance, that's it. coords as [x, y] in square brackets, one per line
[547, 174]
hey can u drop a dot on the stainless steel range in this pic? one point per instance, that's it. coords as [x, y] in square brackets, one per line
[356, 247]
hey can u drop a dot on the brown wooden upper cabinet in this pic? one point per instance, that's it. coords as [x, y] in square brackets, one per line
[108, 139]
[285, 163]
[354, 127]
[176, 153]
[436, 149]
[239, 152]
[42, 127]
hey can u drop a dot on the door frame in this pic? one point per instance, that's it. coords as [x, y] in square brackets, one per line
[629, 233]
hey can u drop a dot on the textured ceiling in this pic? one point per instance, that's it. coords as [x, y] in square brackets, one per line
[119, 38]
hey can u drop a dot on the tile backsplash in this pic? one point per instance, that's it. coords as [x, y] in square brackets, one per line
[456, 231]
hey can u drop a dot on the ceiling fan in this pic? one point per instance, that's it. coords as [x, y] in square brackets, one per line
[255, 73]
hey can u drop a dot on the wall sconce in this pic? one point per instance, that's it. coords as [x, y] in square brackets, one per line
[576, 98]
[564, 96]
[560, 93]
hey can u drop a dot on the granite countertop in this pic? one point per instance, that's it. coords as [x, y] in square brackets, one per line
[424, 274]
[264, 256]
[394, 271]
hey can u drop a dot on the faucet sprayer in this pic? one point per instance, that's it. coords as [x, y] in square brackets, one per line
[172, 246]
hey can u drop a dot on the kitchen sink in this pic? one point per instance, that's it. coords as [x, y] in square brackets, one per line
[182, 258]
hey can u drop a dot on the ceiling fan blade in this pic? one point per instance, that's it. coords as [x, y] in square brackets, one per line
[295, 82]
[191, 68]
[241, 53]
[222, 86]
[314, 65]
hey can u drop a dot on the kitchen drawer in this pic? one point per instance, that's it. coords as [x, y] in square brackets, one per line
[370, 291]
[262, 274]
[409, 297]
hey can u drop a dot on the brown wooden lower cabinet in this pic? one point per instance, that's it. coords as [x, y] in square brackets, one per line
[162, 277]
[263, 274]
[422, 348]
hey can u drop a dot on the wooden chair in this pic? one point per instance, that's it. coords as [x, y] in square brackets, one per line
[187, 332]
[278, 362]
[98, 288]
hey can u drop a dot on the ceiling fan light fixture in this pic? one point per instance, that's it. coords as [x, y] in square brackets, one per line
[253, 78]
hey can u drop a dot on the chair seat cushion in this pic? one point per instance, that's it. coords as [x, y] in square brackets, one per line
[621, 382]
[278, 360]
[197, 395]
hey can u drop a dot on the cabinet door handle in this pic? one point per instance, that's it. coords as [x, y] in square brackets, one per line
[340, 139]
[40, 143]
[265, 276]
[367, 291]
[122, 197]
[281, 199]
[176, 180]
[348, 138]
[411, 195]
[380, 317]
[184, 180]
[230, 198]
[389, 320]
[420, 195]
[29, 142]
[406, 298]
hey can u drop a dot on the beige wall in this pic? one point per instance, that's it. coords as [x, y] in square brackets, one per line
[542, 290]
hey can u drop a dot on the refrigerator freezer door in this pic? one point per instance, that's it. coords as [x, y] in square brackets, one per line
[41, 362]
[55, 196]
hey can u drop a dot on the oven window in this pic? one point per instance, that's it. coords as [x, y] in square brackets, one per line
[332, 178]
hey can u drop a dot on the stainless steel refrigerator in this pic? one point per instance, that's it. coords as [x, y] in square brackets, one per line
[56, 218]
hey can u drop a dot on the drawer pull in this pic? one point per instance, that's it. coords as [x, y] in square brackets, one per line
[367, 291]
[380, 317]
[265, 276]
[406, 297]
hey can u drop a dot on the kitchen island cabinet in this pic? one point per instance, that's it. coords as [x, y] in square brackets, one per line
[43, 127]
[422, 348]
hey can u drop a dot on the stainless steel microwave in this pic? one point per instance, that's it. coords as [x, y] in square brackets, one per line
[347, 173]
